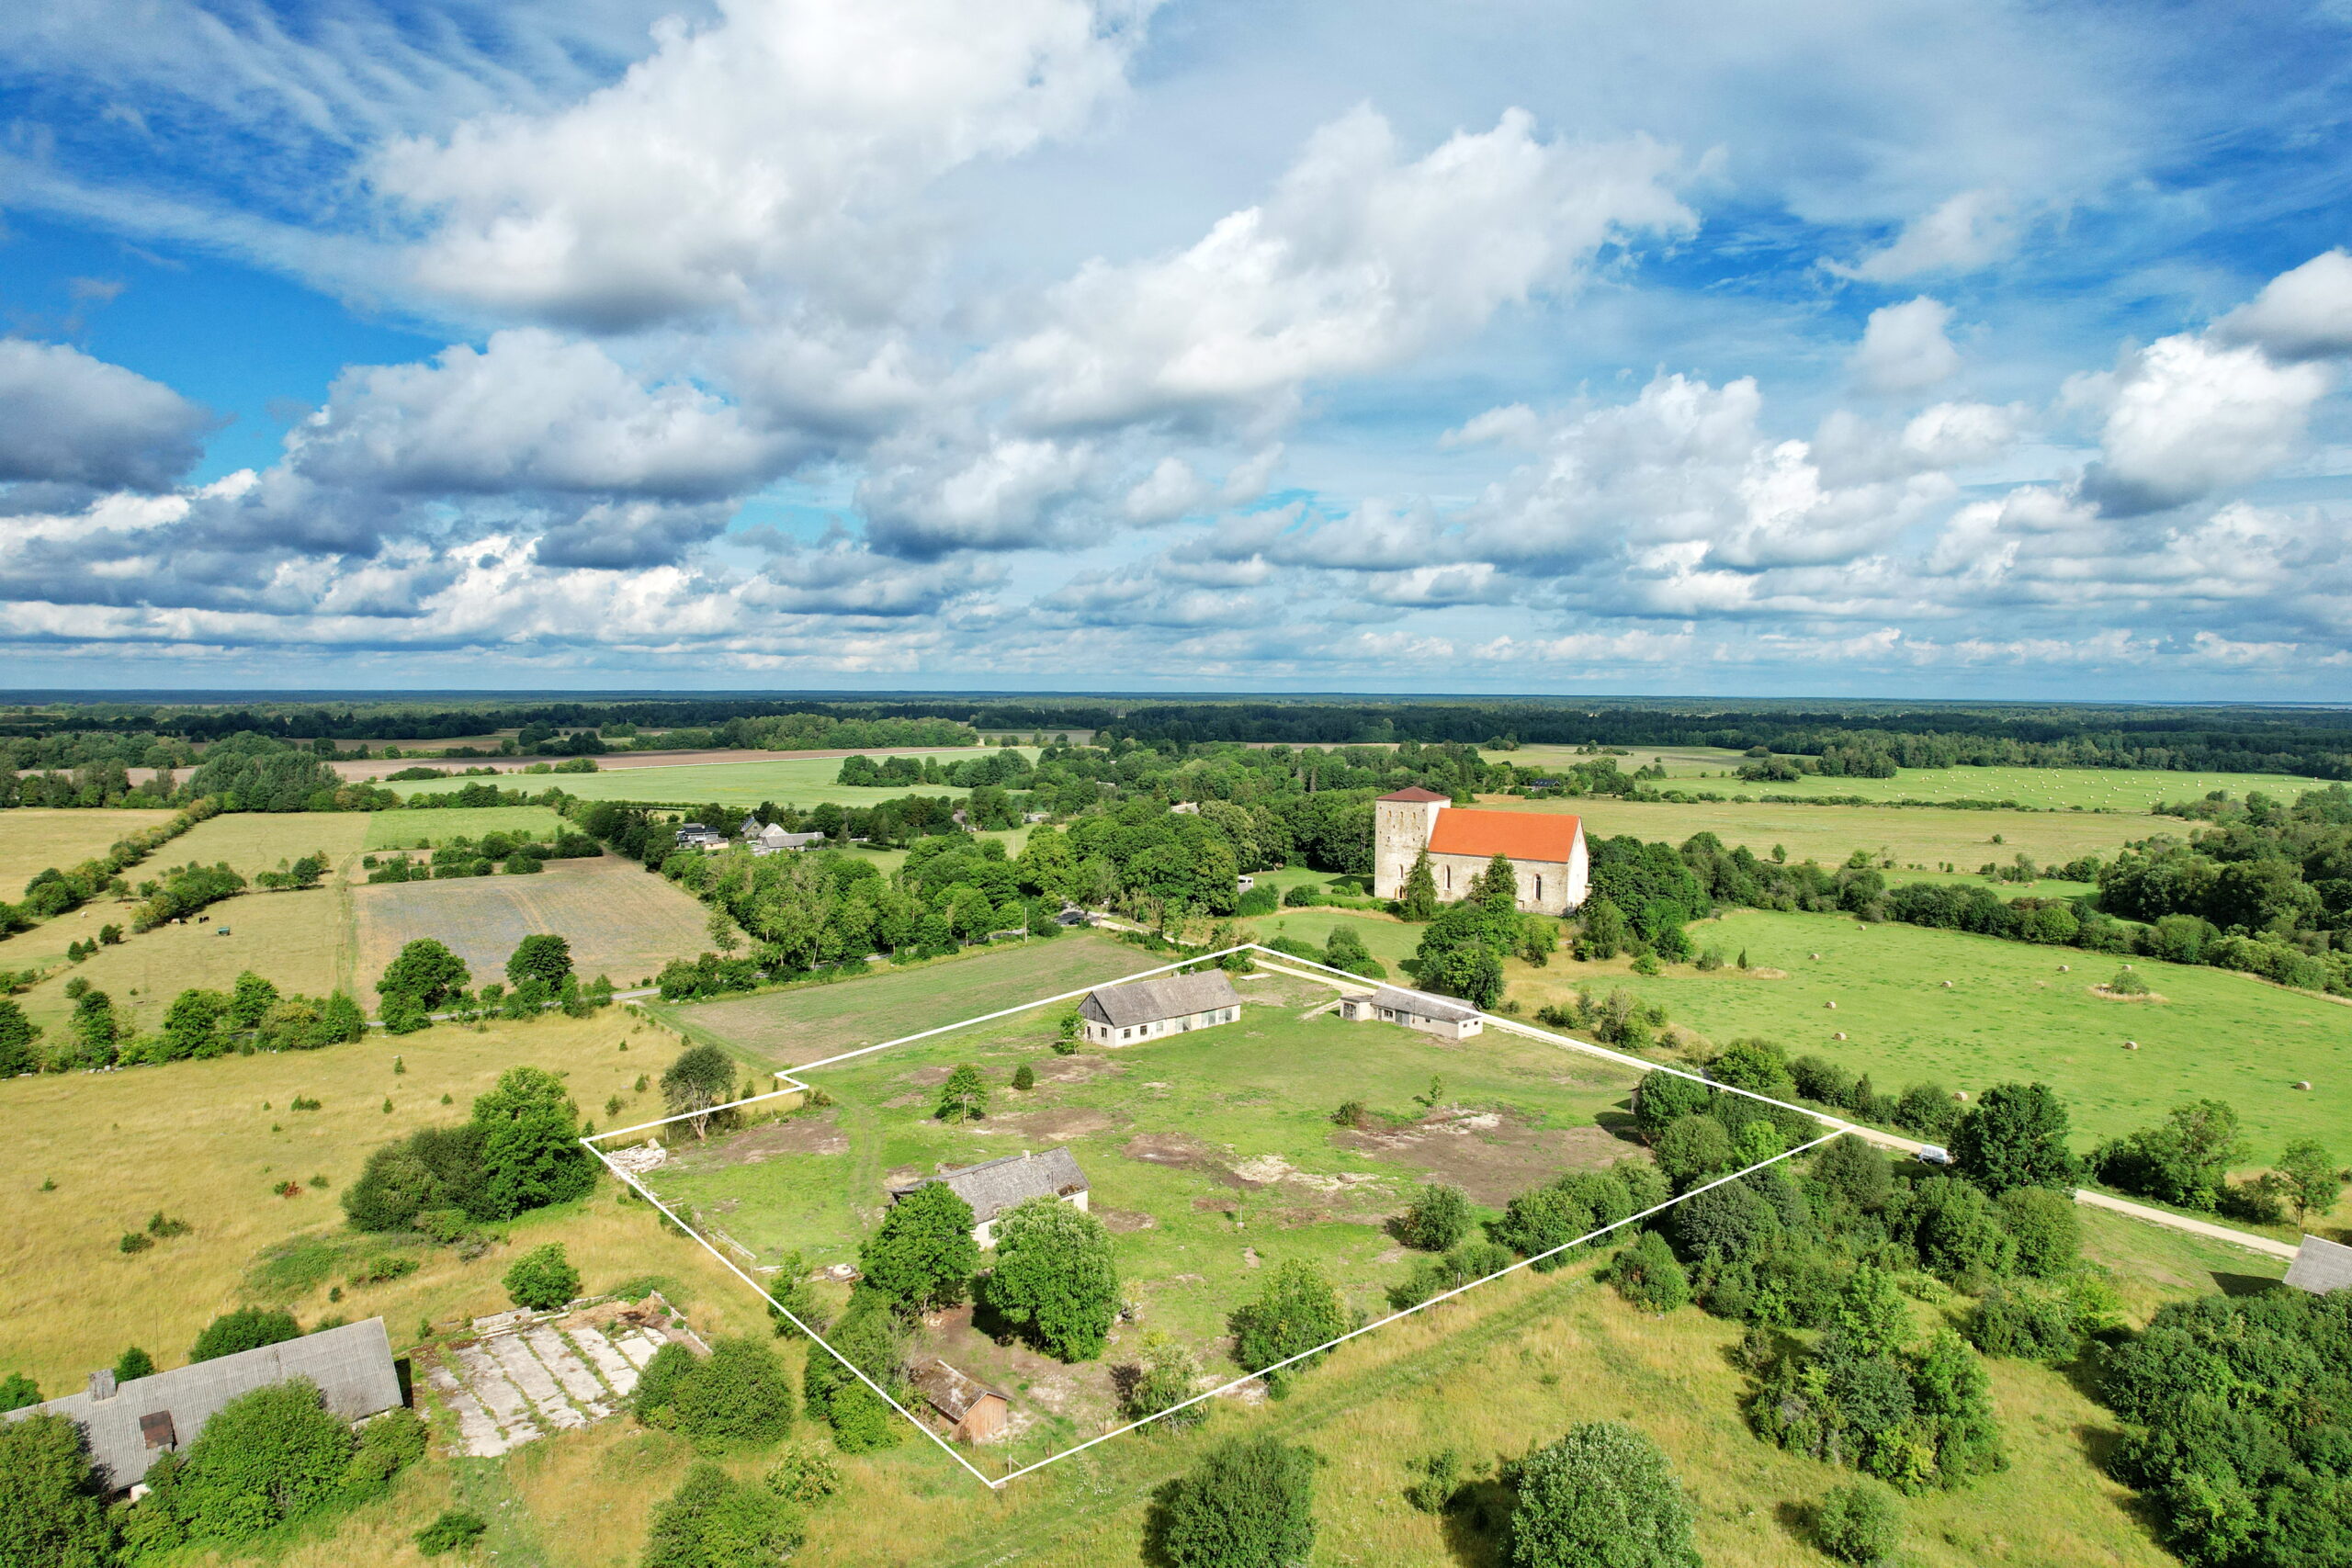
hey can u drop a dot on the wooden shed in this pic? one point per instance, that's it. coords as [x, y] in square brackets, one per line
[974, 1412]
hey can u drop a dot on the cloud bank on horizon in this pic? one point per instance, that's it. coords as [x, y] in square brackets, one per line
[1094, 343]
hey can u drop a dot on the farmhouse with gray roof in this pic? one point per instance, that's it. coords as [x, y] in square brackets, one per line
[1415, 1009]
[2320, 1267]
[1145, 1009]
[129, 1424]
[1003, 1184]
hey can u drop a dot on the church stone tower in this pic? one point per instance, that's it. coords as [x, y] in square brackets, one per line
[1401, 824]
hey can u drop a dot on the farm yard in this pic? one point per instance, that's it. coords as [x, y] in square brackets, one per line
[1211, 1156]
[620, 921]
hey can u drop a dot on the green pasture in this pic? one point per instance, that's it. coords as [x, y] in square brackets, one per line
[33, 840]
[2046, 789]
[812, 1022]
[802, 780]
[1390, 941]
[1920, 836]
[406, 829]
[2009, 1014]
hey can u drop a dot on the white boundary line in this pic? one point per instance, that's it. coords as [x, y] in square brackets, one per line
[1836, 1128]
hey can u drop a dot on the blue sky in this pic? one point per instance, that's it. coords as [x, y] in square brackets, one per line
[1827, 348]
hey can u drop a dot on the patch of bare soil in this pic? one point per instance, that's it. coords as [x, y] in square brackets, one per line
[1764, 971]
[2105, 995]
[1065, 1122]
[1492, 1155]
[927, 1077]
[901, 1101]
[1081, 1068]
[902, 1175]
[1172, 1149]
[801, 1135]
[1119, 1222]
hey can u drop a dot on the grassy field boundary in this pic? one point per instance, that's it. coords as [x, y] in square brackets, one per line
[1329, 976]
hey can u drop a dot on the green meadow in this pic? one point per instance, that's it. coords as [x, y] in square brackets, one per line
[2009, 1013]
[800, 781]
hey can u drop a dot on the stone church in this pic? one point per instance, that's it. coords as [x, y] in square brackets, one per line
[1545, 848]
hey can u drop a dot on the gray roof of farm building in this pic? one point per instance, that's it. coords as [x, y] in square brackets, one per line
[2320, 1267]
[127, 1425]
[993, 1187]
[1149, 1001]
[1420, 1004]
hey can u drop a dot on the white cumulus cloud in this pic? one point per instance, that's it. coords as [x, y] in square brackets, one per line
[1904, 347]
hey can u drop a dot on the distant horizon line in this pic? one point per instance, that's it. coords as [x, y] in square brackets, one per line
[84, 695]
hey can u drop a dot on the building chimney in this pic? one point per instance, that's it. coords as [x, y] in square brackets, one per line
[102, 1384]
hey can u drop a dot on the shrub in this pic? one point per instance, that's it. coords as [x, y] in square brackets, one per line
[1602, 1494]
[2015, 1136]
[868, 1336]
[455, 1530]
[741, 1395]
[16, 1390]
[1161, 1378]
[1648, 1275]
[1025, 1077]
[1958, 1232]
[387, 1445]
[657, 1386]
[542, 1279]
[1858, 1522]
[52, 1508]
[1693, 1149]
[1247, 1505]
[2185, 1160]
[2046, 1228]
[247, 1328]
[2030, 1325]
[1732, 1221]
[806, 1476]
[1664, 1098]
[923, 1255]
[713, 1520]
[1055, 1277]
[1536, 1223]
[132, 1365]
[964, 1097]
[1852, 1171]
[531, 1154]
[266, 1457]
[1433, 1276]
[1926, 1109]
[1438, 1218]
[1295, 1311]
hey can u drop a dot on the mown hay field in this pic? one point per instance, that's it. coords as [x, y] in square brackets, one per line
[799, 780]
[802, 1024]
[297, 941]
[621, 921]
[208, 1142]
[259, 841]
[1909, 835]
[2009, 1015]
[33, 840]
[407, 830]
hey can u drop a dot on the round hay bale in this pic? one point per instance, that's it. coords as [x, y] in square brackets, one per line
[1959, 1094]
[1840, 1035]
[1813, 955]
[2131, 1045]
[2065, 969]
[1947, 984]
[1831, 1006]
[2302, 1083]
